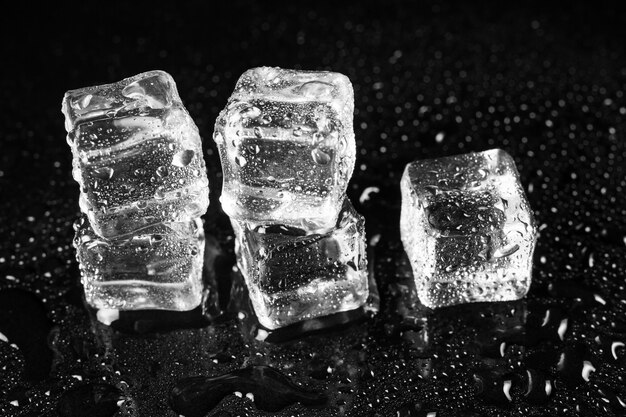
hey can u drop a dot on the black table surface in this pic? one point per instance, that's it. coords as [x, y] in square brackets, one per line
[544, 82]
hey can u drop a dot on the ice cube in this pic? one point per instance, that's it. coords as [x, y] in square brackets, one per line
[294, 276]
[158, 267]
[467, 228]
[287, 147]
[137, 154]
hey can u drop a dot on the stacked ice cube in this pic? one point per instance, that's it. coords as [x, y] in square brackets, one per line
[287, 148]
[137, 157]
[467, 228]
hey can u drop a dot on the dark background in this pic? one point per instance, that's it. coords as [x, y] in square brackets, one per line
[545, 82]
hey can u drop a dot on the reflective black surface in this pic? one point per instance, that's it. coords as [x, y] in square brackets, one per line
[545, 83]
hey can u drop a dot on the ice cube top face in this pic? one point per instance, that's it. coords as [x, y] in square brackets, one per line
[287, 147]
[159, 267]
[137, 154]
[292, 276]
[467, 228]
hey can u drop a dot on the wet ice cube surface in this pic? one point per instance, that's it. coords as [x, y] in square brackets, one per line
[467, 228]
[137, 154]
[158, 267]
[287, 147]
[294, 276]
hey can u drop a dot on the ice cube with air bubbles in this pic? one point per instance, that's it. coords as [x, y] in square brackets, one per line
[467, 228]
[157, 267]
[287, 147]
[293, 276]
[137, 154]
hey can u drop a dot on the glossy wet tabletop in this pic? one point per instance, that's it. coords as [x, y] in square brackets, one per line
[434, 79]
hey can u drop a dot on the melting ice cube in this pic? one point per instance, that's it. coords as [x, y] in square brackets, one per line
[467, 228]
[294, 276]
[158, 267]
[137, 154]
[287, 147]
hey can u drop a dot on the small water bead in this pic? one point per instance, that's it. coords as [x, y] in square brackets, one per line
[321, 157]
[104, 173]
[251, 112]
[241, 161]
[83, 103]
[183, 158]
[343, 142]
[218, 138]
[159, 194]
[316, 90]
[162, 171]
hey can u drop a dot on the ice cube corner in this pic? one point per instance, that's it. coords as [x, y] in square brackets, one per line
[467, 228]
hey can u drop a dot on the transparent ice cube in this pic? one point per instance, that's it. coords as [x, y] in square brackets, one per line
[286, 143]
[467, 228]
[137, 154]
[294, 276]
[158, 267]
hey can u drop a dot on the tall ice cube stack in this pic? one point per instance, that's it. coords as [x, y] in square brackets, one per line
[137, 157]
[287, 148]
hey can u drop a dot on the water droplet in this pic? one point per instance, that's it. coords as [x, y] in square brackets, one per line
[218, 138]
[103, 173]
[241, 161]
[183, 158]
[316, 89]
[159, 194]
[162, 171]
[320, 157]
[251, 112]
[505, 251]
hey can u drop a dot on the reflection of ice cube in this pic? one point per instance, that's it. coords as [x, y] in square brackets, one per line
[287, 147]
[158, 267]
[292, 276]
[137, 154]
[467, 228]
